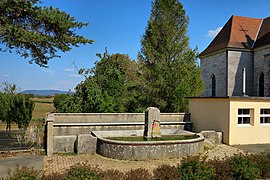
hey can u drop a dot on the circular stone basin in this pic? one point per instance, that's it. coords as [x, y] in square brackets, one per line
[163, 138]
[110, 144]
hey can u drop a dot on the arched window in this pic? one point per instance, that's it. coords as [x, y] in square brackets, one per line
[261, 85]
[213, 85]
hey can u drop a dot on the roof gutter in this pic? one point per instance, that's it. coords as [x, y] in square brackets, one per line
[224, 49]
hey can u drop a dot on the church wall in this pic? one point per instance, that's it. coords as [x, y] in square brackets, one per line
[238, 60]
[262, 65]
[214, 64]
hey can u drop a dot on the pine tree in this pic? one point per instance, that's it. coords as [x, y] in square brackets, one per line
[37, 32]
[169, 65]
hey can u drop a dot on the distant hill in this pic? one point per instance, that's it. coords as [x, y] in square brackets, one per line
[44, 92]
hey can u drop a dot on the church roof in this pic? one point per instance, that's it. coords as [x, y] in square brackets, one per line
[264, 34]
[241, 32]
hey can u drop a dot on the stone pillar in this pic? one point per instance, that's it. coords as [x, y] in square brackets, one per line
[49, 126]
[152, 123]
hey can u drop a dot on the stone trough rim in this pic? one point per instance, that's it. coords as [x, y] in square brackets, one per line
[150, 143]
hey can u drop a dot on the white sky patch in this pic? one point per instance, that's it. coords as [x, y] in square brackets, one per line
[48, 71]
[74, 75]
[213, 33]
[4, 75]
[69, 69]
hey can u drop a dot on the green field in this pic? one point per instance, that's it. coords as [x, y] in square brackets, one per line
[43, 100]
[42, 106]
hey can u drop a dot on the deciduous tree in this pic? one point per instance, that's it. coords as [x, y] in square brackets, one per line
[14, 107]
[112, 85]
[116, 74]
[9, 88]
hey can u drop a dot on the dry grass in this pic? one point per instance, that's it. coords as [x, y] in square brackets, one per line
[3, 126]
[42, 106]
[43, 100]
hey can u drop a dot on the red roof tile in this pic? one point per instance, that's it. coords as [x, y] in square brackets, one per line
[238, 32]
[264, 34]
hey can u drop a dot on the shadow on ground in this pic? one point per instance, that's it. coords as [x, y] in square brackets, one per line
[11, 163]
[254, 148]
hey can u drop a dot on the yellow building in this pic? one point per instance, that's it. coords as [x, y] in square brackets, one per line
[242, 120]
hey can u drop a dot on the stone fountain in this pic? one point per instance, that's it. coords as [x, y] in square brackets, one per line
[152, 123]
[156, 143]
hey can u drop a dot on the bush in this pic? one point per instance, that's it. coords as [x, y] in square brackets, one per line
[238, 166]
[24, 173]
[112, 174]
[222, 170]
[53, 176]
[243, 167]
[82, 171]
[16, 108]
[195, 168]
[263, 163]
[166, 172]
[138, 174]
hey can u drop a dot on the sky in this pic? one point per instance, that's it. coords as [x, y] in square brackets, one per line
[118, 25]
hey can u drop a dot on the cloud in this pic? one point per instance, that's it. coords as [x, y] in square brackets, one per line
[213, 33]
[69, 69]
[4, 75]
[48, 71]
[74, 75]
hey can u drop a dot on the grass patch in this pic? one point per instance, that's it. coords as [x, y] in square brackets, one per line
[41, 109]
[43, 99]
[67, 154]
[13, 126]
[42, 106]
[162, 138]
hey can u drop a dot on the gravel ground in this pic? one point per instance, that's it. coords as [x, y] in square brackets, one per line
[7, 154]
[222, 151]
[60, 163]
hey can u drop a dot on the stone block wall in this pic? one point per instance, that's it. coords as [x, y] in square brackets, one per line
[83, 123]
[64, 144]
[262, 65]
[86, 143]
[69, 131]
[214, 64]
[227, 67]
[237, 60]
[97, 117]
[211, 138]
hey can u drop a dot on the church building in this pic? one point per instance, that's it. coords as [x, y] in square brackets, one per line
[236, 72]
[237, 61]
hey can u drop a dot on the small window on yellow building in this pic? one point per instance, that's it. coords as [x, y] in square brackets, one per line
[265, 116]
[243, 116]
